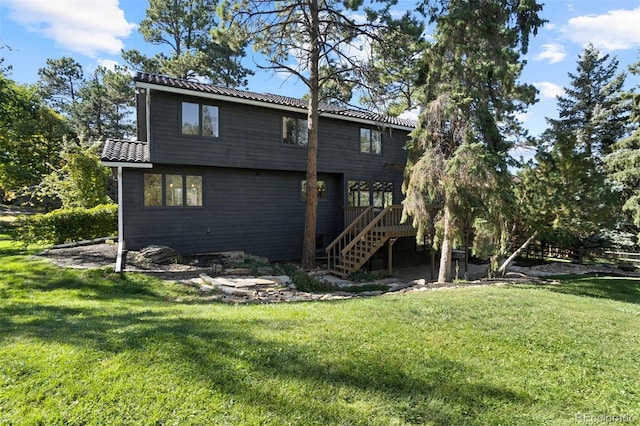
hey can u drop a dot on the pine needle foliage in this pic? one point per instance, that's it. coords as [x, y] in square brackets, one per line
[457, 169]
[624, 161]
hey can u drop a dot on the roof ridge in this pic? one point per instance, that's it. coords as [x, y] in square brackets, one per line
[274, 99]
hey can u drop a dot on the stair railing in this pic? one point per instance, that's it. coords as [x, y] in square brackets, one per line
[334, 249]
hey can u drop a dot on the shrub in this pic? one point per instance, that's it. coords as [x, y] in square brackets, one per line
[66, 225]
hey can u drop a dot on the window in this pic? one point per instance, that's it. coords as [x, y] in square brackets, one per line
[358, 193]
[295, 131]
[382, 194]
[210, 121]
[322, 190]
[199, 120]
[194, 190]
[371, 141]
[364, 194]
[170, 190]
[152, 189]
[173, 190]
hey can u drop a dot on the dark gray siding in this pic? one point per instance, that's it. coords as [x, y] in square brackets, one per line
[251, 137]
[258, 211]
[251, 180]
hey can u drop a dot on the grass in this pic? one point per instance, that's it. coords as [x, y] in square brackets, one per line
[95, 348]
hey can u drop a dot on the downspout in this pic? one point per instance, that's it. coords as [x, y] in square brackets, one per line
[120, 223]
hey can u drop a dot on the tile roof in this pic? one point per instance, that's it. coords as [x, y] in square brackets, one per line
[117, 150]
[276, 100]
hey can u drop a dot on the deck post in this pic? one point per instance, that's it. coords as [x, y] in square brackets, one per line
[390, 254]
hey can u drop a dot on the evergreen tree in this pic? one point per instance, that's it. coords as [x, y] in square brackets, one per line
[184, 29]
[97, 107]
[592, 108]
[624, 161]
[105, 102]
[592, 117]
[458, 155]
[60, 82]
[564, 195]
[392, 72]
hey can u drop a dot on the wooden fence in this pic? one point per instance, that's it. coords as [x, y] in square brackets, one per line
[582, 255]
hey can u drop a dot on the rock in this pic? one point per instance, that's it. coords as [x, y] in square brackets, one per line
[217, 268]
[231, 256]
[235, 291]
[265, 270]
[239, 271]
[280, 279]
[207, 288]
[159, 254]
[399, 286]
[371, 293]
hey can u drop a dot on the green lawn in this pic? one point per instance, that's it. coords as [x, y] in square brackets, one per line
[94, 348]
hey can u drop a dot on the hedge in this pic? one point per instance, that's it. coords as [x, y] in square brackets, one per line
[67, 225]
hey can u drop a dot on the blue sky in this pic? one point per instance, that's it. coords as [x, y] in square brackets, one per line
[94, 31]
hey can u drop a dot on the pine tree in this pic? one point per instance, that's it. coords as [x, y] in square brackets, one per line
[183, 28]
[591, 107]
[458, 157]
[97, 107]
[592, 117]
[624, 161]
[392, 73]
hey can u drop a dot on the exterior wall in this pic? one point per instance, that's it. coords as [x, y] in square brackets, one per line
[251, 137]
[251, 180]
[258, 211]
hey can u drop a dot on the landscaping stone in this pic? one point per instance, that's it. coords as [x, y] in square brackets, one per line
[238, 271]
[159, 254]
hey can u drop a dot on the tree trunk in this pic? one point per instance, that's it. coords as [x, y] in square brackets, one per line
[503, 268]
[309, 244]
[444, 274]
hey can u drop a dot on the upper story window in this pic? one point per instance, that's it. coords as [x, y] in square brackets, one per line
[295, 131]
[371, 141]
[199, 120]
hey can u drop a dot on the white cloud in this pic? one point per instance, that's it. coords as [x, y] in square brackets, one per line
[553, 52]
[615, 30]
[411, 114]
[549, 90]
[80, 26]
[107, 63]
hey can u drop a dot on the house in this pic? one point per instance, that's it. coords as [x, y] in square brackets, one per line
[218, 169]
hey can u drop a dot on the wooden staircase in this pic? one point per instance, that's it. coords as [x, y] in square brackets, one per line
[363, 237]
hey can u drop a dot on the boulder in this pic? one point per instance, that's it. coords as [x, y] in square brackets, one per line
[160, 254]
